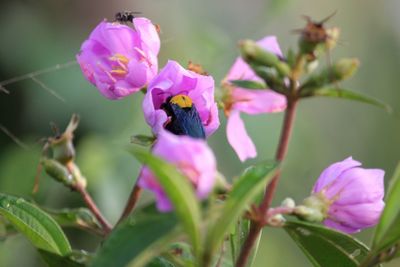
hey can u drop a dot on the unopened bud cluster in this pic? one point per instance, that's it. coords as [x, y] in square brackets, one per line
[59, 156]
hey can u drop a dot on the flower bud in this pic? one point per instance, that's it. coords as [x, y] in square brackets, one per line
[252, 53]
[345, 68]
[69, 175]
[57, 171]
[288, 203]
[61, 145]
[348, 197]
[339, 71]
[276, 221]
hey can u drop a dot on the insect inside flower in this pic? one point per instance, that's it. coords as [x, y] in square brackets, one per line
[183, 117]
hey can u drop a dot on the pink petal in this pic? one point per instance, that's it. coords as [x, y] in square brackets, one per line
[357, 185]
[137, 74]
[270, 43]
[340, 227]
[257, 101]
[118, 38]
[148, 34]
[173, 79]
[238, 137]
[333, 172]
[357, 216]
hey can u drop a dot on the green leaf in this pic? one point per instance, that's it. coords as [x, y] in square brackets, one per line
[160, 262]
[81, 218]
[325, 247]
[251, 183]
[248, 84]
[140, 237]
[180, 193]
[35, 224]
[143, 140]
[346, 94]
[387, 235]
[73, 259]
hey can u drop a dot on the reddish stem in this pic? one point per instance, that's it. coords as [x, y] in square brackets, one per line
[256, 227]
[94, 209]
[281, 152]
[130, 205]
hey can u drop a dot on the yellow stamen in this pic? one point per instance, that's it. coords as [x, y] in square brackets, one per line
[119, 72]
[119, 57]
[182, 101]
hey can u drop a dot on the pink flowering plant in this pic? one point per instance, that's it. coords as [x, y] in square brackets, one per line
[190, 214]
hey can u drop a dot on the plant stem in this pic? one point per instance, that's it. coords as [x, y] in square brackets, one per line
[256, 227]
[281, 152]
[130, 205]
[94, 209]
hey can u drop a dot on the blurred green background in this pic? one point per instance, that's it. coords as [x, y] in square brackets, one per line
[36, 34]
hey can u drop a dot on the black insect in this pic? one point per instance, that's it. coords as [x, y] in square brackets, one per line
[125, 16]
[184, 117]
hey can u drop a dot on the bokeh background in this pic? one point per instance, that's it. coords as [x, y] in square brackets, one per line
[37, 34]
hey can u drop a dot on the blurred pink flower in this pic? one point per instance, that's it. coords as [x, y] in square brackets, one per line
[174, 80]
[191, 156]
[120, 60]
[353, 196]
[248, 101]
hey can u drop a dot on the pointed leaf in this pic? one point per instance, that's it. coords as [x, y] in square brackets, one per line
[81, 218]
[179, 191]
[73, 259]
[143, 140]
[251, 183]
[325, 247]
[35, 224]
[248, 84]
[139, 238]
[346, 94]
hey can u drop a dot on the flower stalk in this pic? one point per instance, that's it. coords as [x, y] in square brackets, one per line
[287, 127]
[256, 227]
[131, 203]
[107, 227]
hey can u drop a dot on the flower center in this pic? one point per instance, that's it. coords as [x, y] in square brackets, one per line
[120, 68]
[182, 101]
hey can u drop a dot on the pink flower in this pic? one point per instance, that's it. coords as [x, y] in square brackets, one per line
[353, 196]
[248, 101]
[120, 60]
[191, 156]
[174, 80]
